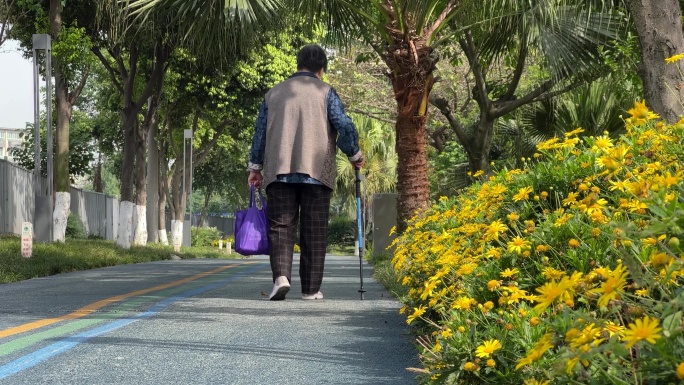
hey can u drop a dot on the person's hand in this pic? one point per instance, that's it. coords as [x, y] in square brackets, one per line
[255, 178]
[359, 163]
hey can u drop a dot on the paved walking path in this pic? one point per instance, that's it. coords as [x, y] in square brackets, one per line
[201, 322]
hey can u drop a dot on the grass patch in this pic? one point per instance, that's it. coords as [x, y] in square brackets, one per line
[84, 254]
[337, 249]
[384, 273]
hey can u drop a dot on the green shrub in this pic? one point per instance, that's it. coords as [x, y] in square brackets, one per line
[204, 236]
[75, 228]
[341, 231]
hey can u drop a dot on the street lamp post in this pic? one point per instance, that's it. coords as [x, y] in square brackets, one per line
[42, 214]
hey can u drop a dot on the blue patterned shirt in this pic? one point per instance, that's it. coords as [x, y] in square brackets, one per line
[347, 138]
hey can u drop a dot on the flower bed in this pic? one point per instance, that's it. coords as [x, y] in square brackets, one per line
[567, 271]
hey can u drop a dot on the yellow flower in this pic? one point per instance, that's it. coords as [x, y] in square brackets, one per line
[641, 292]
[461, 329]
[487, 348]
[534, 321]
[518, 245]
[446, 333]
[640, 114]
[493, 284]
[551, 273]
[469, 366]
[523, 194]
[574, 132]
[417, 312]
[613, 286]
[463, 303]
[613, 328]
[680, 371]
[563, 219]
[539, 349]
[512, 217]
[574, 243]
[603, 143]
[552, 291]
[659, 259]
[491, 363]
[674, 58]
[509, 272]
[542, 248]
[645, 328]
[495, 229]
[534, 381]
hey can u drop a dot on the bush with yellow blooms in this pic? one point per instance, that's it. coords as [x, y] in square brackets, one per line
[567, 271]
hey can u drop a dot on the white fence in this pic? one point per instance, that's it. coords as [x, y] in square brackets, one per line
[98, 212]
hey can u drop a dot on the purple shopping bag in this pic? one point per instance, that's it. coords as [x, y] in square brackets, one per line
[251, 227]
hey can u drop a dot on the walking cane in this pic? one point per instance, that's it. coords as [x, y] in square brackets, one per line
[359, 224]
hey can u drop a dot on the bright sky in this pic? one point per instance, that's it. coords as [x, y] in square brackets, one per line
[16, 87]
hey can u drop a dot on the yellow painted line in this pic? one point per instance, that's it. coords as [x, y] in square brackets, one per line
[84, 311]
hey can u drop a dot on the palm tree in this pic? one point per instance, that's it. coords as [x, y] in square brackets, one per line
[404, 33]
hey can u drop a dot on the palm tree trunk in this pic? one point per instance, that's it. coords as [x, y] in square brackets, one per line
[412, 180]
[412, 81]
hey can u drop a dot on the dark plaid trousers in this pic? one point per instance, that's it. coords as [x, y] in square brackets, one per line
[290, 203]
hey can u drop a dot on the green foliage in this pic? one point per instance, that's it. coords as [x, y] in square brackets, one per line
[75, 228]
[448, 170]
[80, 154]
[204, 236]
[383, 272]
[76, 255]
[376, 140]
[341, 231]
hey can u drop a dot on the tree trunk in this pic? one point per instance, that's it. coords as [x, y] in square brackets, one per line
[412, 180]
[163, 185]
[205, 209]
[97, 178]
[140, 238]
[659, 27]
[130, 117]
[179, 202]
[153, 185]
[412, 82]
[480, 144]
[61, 176]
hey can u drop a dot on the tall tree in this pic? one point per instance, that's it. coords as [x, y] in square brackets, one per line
[563, 42]
[71, 69]
[220, 105]
[135, 55]
[659, 27]
[403, 33]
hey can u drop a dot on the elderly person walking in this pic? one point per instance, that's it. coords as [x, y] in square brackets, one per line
[300, 123]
